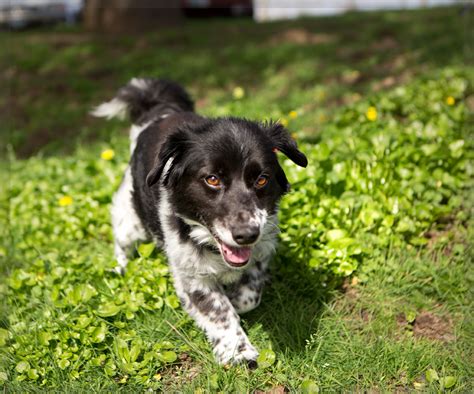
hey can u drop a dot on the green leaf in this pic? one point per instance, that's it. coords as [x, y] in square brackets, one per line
[110, 368]
[83, 321]
[135, 352]
[98, 361]
[3, 336]
[266, 358]
[22, 366]
[107, 310]
[3, 377]
[145, 250]
[309, 386]
[165, 345]
[410, 317]
[44, 338]
[429, 149]
[431, 375]
[74, 375]
[167, 356]
[418, 241]
[158, 303]
[405, 225]
[335, 234]
[456, 148]
[172, 301]
[345, 268]
[99, 333]
[369, 216]
[448, 382]
[85, 292]
[321, 152]
[33, 374]
[214, 381]
[63, 364]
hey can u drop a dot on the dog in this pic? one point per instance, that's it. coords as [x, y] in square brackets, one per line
[207, 192]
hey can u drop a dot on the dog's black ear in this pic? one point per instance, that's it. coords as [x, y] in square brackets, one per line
[283, 142]
[169, 160]
[282, 180]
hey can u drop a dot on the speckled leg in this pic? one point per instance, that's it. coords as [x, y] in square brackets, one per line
[246, 294]
[213, 312]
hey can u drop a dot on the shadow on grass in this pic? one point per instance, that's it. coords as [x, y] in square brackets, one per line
[292, 305]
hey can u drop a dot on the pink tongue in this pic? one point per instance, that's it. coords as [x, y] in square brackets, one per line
[236, 255]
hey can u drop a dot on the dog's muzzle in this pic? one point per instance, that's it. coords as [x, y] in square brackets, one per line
[245, 235]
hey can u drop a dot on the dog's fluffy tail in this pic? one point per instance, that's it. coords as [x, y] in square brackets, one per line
[141, 95]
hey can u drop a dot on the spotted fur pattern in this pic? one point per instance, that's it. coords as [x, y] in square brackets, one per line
[205, 233]
[213, 293]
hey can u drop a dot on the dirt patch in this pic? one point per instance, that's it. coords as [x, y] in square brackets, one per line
[391, 81]
[60, 40]
[301, 37]
[428, 325]
[470, 103]
[447, 237]
[349, 287]
[274, 390]
[436, 237]
[185, 371]
[385, 44]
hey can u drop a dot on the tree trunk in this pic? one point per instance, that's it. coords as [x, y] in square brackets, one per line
[129, 16]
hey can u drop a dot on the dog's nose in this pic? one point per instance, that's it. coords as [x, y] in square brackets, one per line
[245, 235]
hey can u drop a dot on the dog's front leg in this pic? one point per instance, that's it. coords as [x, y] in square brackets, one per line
[246, 294]
[213, 312]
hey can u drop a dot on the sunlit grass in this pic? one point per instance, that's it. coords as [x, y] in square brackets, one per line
[68, 323]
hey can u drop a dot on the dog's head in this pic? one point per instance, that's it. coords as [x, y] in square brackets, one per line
[224, 180]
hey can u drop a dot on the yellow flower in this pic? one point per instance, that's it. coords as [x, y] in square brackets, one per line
[284, 122]
[294, 136]
[64, 201]
[107, 154]
[371, 114]
[238, 92]
[450, 100]
[293, 114]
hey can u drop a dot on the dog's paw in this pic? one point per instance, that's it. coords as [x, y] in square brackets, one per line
[243, 353]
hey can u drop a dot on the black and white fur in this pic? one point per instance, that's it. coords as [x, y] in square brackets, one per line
[219, 239]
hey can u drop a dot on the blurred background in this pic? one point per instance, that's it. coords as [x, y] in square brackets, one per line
[122, 15]
[61, 57]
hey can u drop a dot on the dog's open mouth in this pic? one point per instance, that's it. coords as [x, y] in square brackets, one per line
[235, 256]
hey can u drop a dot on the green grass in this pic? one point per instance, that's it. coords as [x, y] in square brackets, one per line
[396, 306]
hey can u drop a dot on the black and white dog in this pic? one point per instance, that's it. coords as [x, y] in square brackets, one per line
[207, 191]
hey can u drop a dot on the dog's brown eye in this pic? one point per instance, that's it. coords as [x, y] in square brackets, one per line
[261, 181]
[213, 181]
